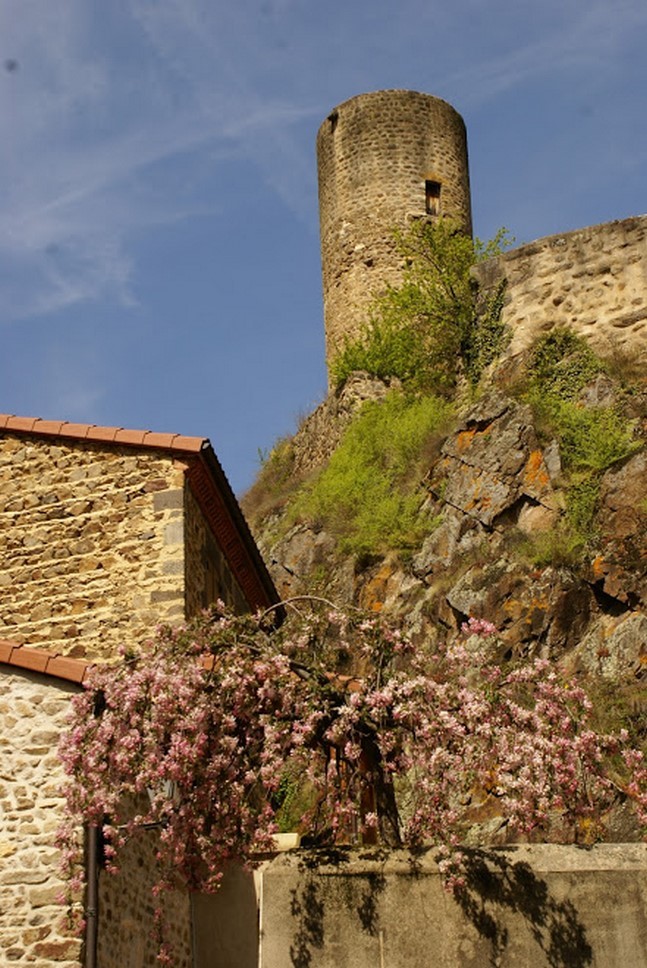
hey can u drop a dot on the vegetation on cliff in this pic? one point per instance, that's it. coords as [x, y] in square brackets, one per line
[368, 495]
[524, 505]
[436, 325]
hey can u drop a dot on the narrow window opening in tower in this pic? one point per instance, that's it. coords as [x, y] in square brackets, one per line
[432, 197]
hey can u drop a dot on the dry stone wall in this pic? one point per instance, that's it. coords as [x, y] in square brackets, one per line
[91, 544]
[377, 154]
[593, 280]
[32, 712]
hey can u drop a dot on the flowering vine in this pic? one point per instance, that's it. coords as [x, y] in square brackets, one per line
[393, 743]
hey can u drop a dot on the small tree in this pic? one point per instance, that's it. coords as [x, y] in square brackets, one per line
[201, 729]
[437, 321]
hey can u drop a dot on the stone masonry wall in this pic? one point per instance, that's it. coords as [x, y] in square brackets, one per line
[375, 153]
[208, 575]
[91, 544]
[33, 709]
[126, 935]
[593, 280]
[32, 713]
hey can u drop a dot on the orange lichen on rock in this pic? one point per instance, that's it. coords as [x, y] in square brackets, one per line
[535, 472]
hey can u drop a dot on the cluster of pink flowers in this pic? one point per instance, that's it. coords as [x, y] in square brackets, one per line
[197, 733]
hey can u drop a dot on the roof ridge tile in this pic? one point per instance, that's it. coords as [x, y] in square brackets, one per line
[103, 434]
[48, 663]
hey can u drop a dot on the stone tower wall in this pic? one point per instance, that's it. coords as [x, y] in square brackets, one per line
[378, 155]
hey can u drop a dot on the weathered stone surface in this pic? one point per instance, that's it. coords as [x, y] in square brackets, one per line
[620, 569]
[492, 461]
[534, 906]
[593, 280]
[30, 798]
[616, 649]
[99, 544]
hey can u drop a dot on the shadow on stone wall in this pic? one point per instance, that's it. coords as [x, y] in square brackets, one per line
[503, 901]
[493, 881]
[361, 898]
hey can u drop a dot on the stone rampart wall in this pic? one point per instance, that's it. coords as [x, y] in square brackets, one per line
[593, 280]
[91, 544]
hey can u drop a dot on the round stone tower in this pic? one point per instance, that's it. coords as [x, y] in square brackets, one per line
[384, 159]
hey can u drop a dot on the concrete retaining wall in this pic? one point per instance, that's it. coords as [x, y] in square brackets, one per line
[523, 907]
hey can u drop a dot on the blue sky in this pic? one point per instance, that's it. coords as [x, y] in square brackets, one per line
[159, 252]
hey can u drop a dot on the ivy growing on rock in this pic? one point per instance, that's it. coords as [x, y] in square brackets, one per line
[198, 733]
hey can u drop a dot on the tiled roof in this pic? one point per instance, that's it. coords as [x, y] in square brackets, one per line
[97, 434]
[39, 660]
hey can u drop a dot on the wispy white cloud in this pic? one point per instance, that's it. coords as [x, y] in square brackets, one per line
[85, 132]
[101, 105]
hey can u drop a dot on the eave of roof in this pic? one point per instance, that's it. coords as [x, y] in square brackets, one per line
[57, 666]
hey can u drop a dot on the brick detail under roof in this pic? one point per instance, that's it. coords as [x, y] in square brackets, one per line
[40, 660]
[99, 434]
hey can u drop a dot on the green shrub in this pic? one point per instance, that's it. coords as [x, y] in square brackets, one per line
[425, 330]
[367, 494]
[275, 482]
[562, 363]
[591, 438]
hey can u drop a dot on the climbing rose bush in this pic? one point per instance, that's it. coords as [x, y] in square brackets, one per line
[196, 735]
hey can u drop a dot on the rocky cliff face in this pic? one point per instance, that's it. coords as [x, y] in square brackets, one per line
[498, 549]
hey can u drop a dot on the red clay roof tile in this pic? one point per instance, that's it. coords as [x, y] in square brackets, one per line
[28, 658]
[103, 433]
[40, 660]
[74, 670]
[192, 444]
[48, 426]
[21, 423]
[77, 430]
[95, 432]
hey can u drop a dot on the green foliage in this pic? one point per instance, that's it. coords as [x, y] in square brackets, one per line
[591, 438]
[275, 482]
[562, 363]
[436, 322]
[366, 495]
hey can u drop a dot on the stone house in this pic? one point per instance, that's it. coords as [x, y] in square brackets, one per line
[104, 533]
